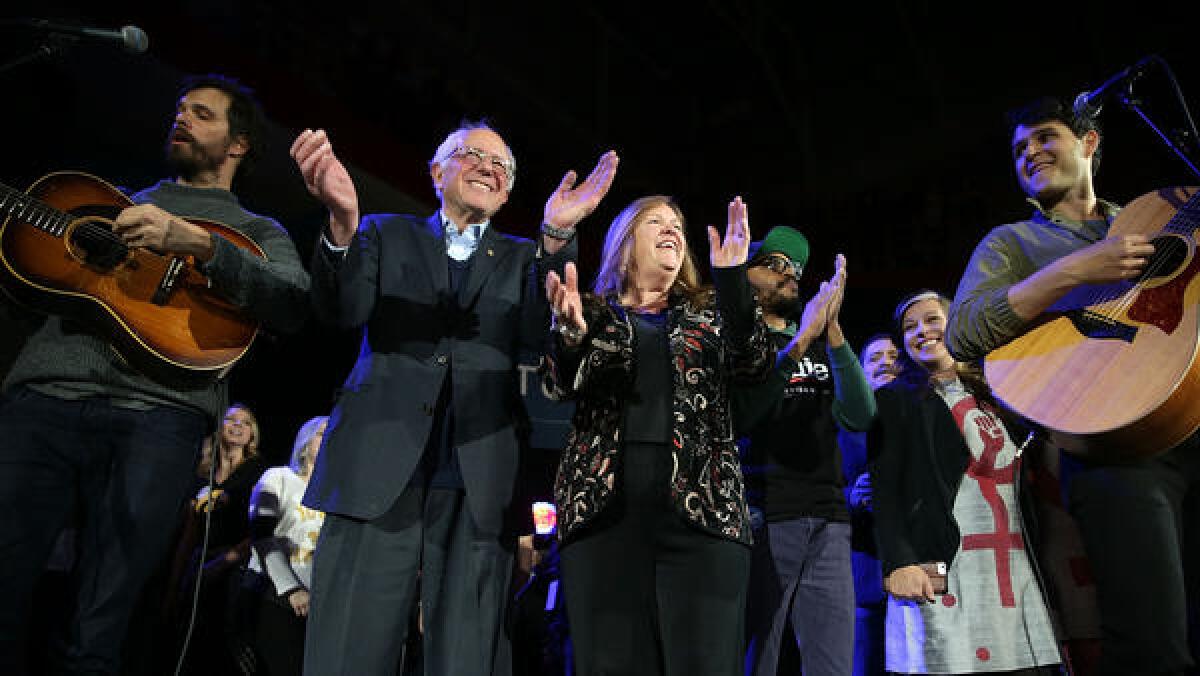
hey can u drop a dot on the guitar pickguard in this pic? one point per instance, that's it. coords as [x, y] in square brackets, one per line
[1162, 306]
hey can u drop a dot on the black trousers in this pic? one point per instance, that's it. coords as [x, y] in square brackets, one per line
[365, 584]
[648, 594]
[127, 473]
[278, 636]
[1135, 522]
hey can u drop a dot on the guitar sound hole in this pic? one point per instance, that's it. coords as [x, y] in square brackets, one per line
[96, 244]
[1170, 253]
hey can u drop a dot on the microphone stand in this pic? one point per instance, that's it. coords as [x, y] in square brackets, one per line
[1133, 103]
[54, 46]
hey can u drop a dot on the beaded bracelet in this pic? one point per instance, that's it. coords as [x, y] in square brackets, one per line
[557, 233]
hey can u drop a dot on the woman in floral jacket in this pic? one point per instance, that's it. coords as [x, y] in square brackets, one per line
[652, 513]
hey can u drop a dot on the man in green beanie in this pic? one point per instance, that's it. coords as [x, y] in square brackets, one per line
[801, 567]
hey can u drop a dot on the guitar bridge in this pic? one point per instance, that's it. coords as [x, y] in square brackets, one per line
[167, 284]
[1100, 327]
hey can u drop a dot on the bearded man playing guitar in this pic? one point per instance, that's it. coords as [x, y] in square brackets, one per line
[1134, 501]
[84, 432]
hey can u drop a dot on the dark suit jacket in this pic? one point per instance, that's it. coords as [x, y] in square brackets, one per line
[919, 457]
[394, 283]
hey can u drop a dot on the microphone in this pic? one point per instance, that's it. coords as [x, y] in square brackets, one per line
[1090, 104]
[130, 38]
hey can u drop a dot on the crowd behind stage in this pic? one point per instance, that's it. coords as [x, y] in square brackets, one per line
[740, 490]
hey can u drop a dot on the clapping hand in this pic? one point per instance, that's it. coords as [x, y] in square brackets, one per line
[571, 203]
[833, 328]
[736, 247]
[327, 179]
[837, 284]
[566, 304]
[822, 309]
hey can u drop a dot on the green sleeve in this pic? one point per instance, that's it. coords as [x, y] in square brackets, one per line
[854, 403]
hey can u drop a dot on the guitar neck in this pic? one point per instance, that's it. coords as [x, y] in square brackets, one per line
[1187, 219]
[40, 215]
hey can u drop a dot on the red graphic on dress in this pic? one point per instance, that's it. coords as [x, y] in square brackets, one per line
[990, 477]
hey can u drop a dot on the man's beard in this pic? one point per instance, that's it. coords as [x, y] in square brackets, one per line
[189, 165]
[780, 302]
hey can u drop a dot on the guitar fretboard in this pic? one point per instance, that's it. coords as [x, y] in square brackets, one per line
[34, 212]
[1187, 219]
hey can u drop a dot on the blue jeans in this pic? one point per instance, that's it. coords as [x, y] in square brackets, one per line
[125, 473]
[870, 614]
[801, 572]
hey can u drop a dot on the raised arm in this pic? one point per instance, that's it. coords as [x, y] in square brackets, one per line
[820, 315]
[854, 403]
[567, 368]
[750, 351]
[753, 402]
[327, 179]
[570, 203]
[566, 306]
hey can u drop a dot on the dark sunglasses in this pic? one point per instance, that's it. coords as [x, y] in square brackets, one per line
[780, 265]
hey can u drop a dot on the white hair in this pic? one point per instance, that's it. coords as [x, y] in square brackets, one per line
[302, 449]
[457, 139]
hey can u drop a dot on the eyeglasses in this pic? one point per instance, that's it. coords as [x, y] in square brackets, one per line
[472, 157]
[781, 265]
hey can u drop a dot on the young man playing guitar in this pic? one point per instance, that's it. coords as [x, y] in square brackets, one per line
[82, 432]
[1131, 514]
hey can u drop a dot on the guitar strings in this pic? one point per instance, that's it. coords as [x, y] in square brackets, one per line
[1181, 224]
[39, 214]
[1113, 302]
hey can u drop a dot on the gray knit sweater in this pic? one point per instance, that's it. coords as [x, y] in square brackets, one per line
[64, 359]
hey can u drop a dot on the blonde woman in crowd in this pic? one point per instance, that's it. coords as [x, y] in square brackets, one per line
[285, 536]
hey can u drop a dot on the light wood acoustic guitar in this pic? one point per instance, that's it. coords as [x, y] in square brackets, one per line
[1110, 371]
[58, 254]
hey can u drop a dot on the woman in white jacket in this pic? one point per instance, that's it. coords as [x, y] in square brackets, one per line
[285, 535]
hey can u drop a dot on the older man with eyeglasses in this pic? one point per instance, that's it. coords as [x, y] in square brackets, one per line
[800, 570]
[420, 458]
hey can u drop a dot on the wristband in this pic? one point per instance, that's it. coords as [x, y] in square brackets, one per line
[571, 334]
[553, 232]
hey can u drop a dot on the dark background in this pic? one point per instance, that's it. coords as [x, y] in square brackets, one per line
[875, 128]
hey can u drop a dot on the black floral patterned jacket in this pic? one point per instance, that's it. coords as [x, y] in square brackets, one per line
[712, 344]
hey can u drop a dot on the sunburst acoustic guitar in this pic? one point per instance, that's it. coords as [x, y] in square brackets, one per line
[1111, 371]
[58, 254]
